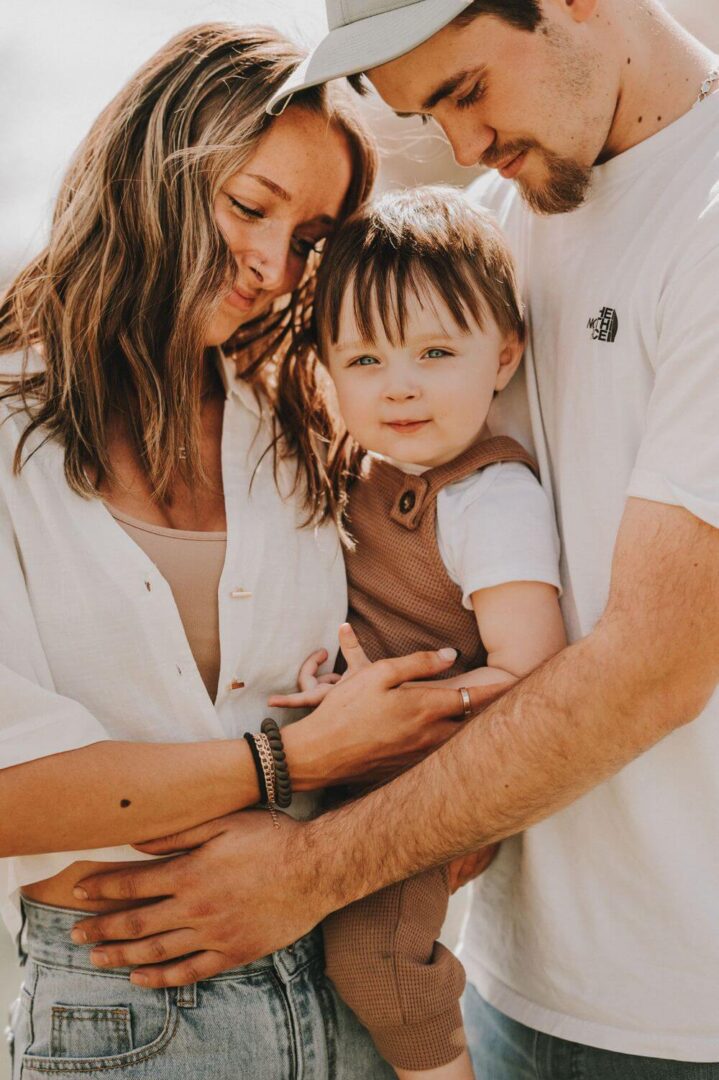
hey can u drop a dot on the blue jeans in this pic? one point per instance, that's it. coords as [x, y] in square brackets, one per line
[502, 1049]
[275, 1019]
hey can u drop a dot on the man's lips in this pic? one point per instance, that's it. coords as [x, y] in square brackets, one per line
[511, 166]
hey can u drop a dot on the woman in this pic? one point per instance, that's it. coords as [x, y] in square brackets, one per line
[168, 547]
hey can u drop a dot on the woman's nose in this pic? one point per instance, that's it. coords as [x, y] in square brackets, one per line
[268, 262]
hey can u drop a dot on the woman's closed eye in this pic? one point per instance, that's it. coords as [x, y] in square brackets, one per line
[304, 246]
[247, 212]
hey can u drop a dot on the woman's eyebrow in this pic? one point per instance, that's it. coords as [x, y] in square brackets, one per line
[271, 186]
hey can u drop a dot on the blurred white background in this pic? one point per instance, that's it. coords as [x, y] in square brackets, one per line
[60, 63]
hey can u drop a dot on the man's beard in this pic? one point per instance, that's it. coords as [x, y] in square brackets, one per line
[564, 189]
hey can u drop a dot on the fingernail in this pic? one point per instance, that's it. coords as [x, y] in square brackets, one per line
[448, 654]
[138, 979]
[98, 956]
[79, 893]
[79, 937]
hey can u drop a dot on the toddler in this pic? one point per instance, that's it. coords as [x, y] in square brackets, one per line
[419, 323]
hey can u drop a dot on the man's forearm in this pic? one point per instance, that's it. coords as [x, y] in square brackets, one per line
[557, 734]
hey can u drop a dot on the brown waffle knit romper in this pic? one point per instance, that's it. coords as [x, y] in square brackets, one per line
[382, 953]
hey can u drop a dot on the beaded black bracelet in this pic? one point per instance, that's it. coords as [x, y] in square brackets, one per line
[283, 784]
[250, 740]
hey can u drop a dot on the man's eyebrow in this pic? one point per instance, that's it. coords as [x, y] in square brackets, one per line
[446, 88]
[271, 186]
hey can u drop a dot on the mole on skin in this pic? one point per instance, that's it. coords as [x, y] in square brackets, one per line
[125, 802]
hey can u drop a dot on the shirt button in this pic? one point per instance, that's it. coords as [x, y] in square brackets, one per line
[148, 584]
[239, 592]
[407, 501]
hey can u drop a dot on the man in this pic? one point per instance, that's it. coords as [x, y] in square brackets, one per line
[592, 944]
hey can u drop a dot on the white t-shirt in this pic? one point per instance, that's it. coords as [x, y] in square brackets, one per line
[92, 646]
[496, 526]
[601, 925]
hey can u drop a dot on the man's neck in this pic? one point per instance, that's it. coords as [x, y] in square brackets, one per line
[663, 68]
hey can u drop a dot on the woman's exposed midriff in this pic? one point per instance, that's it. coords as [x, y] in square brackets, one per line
[57, 890]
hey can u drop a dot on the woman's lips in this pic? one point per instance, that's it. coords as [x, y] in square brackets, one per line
[510, 170]
[241, 300]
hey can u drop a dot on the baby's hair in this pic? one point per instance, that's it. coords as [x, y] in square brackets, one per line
[423, 242]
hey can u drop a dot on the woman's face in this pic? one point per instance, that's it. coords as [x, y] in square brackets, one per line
[275, 210]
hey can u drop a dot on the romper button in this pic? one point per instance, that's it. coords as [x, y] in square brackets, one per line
[407, 501]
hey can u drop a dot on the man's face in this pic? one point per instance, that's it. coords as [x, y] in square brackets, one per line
[537, 105]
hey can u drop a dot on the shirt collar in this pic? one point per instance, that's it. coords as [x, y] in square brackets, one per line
[235, 387]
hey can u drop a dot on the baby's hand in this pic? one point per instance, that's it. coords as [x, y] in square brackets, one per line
[313, 688]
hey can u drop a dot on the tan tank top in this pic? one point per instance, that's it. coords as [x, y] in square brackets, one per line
[191, 564]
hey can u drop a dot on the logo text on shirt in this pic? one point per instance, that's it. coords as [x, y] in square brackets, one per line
[604, 326]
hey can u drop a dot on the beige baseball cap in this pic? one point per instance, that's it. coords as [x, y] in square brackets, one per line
[364, 34]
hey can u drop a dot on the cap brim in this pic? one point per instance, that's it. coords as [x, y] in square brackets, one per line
[367, 44]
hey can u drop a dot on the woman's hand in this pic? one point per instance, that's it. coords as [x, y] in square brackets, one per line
[372, 726]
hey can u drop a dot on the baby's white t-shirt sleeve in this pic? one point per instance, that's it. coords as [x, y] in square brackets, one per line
[497, 526]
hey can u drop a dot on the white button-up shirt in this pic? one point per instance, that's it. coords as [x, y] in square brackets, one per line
[91, 643]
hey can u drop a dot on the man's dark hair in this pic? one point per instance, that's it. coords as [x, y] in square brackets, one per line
[524, 14]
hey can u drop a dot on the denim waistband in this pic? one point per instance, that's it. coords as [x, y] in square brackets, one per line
[46, 940]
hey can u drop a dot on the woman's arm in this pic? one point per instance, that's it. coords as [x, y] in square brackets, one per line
[112, 793]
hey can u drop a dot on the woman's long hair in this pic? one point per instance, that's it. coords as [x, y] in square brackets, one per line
[120, 300]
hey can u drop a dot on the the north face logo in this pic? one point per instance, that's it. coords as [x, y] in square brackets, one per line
[604, 326]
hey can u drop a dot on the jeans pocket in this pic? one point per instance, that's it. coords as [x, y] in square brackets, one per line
[90, 1031]
[82, 1021]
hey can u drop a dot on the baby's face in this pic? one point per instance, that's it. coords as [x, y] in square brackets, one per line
[425, 401]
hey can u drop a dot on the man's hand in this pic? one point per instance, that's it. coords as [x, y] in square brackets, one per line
[214, 907]
[467, 867]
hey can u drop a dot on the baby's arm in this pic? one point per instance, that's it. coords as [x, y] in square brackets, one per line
[521, 626]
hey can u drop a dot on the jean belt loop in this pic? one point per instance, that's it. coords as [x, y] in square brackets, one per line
[19, 945]
[187, 996]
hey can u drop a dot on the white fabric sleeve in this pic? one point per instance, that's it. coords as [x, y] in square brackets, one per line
[34, 720]
[678, 458]
[495, 527]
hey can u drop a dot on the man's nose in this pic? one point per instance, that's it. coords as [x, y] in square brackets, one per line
[468, 138]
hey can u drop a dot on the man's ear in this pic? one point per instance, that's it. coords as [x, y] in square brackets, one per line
[509, 357]
[578, 10]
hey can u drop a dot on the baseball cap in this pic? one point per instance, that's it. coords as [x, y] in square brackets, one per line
[364, 34]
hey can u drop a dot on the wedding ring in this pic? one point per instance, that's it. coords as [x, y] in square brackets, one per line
[466, 701]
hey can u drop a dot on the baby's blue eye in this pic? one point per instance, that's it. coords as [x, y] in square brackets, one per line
[364, 361]
[435, 354]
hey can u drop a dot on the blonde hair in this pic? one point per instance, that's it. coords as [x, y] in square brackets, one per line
[121, 298]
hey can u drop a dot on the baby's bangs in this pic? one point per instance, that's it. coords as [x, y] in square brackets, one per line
[383, 287]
